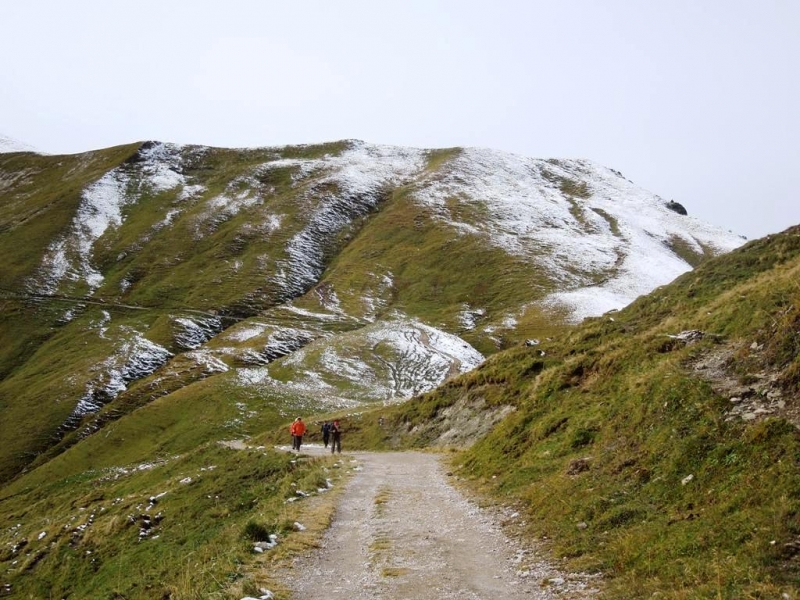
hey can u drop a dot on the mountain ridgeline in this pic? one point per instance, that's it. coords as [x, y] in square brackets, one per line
[305, 277]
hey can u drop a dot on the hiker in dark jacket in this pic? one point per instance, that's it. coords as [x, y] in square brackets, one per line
[326, 432]
[336, 441]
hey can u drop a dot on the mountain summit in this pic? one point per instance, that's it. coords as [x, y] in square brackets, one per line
[298, 278]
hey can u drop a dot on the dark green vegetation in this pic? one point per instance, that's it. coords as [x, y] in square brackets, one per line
[623, 450]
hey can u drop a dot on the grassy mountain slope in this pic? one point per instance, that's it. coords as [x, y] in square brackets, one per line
[137, 271]
[658, 444]
[159, 299]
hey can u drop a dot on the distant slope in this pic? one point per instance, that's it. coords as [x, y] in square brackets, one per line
[8, 144]
[297, 278]
[659, 445]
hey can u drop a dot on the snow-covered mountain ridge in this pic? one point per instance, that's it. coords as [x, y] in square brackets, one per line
[303, 277]
[9, 144]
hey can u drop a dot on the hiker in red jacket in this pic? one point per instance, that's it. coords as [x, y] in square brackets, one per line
[297, 430]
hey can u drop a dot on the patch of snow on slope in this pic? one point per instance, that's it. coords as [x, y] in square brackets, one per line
[191, 333]
[421, 357]
[509, 322]
[253, 376]
[348, 367]
[469, 317]
[359, 175]
[285, 340]
[373, 304]
[102, 324]
[162, 166]
[70, 257]
[167, 220]
[230, 205]
[136, 357]
[328, 299]
[245, 332]
[405, 358]
[613, 230]
[239, 194]
[307, 313]
[648, 228]
[264, 342]
[517, 201]
[190, 191]
[206, 360]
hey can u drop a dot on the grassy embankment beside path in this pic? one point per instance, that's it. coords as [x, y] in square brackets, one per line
[183, 527]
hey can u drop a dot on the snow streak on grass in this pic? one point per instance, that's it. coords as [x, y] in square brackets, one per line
[71, 256]
[586, 225]
[360, 177]
[383, 362]
[134, 358]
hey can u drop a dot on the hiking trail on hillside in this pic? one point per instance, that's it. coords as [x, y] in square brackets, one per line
[401, 530]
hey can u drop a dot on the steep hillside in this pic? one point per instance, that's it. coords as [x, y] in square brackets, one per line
[658, 444]
[296, 278]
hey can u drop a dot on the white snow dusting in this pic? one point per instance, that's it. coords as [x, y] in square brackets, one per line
[134, 358]
[8, 144]
[245, 332]
[162, 165]
[469, 317]
[70, 257]
[209, 363]
[576, 220]
[191, 333]
[396, 360]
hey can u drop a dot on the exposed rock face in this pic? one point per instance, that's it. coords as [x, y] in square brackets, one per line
[676, 207]
[754, 396]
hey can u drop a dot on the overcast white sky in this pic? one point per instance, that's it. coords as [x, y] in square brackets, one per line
[698, 101]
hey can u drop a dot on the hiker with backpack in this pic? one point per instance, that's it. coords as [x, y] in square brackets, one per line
[297, 430]
[326, 432]
[336, 441]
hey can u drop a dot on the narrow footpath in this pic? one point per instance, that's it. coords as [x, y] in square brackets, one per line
[402, 531]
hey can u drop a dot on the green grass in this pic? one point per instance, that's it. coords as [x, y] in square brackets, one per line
[612, 222]
[46, 363]
[200, 541]
[688, 253]
[440, 157]
[613, 396]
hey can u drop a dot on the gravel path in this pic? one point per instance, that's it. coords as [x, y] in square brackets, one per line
[402, 531]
